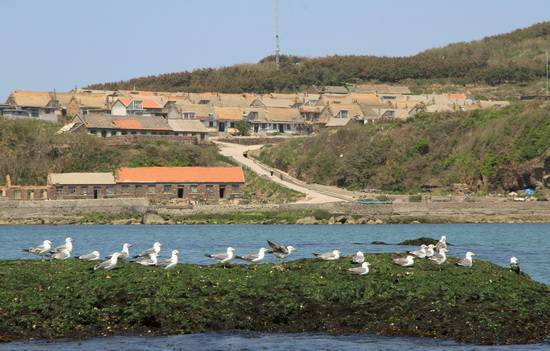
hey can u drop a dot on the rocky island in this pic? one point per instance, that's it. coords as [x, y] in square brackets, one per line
[486, 304]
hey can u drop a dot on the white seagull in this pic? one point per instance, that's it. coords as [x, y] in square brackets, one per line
[171, 262]
[441, 257]
[149, 261]
[442, 243]
[514, 265]
[363, 270]
[430, 251]
[155, 249]
[254, 258]
[92, 256]
[68, 246]
[125, 252]
[40, 250]
[328, 256]
[420, 253]
[109, 264]
[61, 255]
[404, 261]
[359, 257]
[280, 251]
[467, 261]
[223, 257]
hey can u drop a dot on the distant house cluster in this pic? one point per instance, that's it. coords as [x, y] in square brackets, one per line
[122, 112]
[194, 184]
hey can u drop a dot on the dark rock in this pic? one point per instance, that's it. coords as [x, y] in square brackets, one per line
[419, 241]
[379, 243]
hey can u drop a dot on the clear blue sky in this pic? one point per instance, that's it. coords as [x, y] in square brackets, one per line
[47, 44]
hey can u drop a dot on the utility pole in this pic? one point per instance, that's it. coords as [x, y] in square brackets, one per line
[276, 20]
[546, 73]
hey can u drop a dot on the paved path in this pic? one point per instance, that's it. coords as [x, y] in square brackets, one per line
[236, 151]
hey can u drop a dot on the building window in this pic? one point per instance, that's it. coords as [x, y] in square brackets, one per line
[151, 189]
[17, 194]
[167, 188]
[211, 124]
[235, 187]
[232, 125]
[288, 127]
[210, 188]
[343, 114]
[264, 126]
[84, 190]
[194, 189]
[72, 190]
[59, 190]
[110, 190]
[138, 188]
[125, 188]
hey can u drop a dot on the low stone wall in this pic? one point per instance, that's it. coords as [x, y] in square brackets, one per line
[11, 209]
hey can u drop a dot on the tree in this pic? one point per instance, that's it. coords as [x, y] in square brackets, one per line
[243, 127]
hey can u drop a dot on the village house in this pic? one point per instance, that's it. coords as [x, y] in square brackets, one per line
[30, 104]
[193, 184]
[276, 120]
[106, 126]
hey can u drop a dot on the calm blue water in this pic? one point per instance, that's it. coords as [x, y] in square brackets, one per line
[493, 242]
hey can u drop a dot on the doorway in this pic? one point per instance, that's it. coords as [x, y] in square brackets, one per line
[221, 126]
[180, 192]
[96, 193]
[281, 128]
[222, 191]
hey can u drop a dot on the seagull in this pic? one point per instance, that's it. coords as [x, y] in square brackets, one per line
[442, 243]
[223, 257]
[150, 261]
[155, 249]
[328, 256]
[61, 255]
[171, 262]
[441, 257]
[363, 270]
[467, 261]
[109, 264]
[420, 253]
[430, 251]
[358, 258]
[41, 250]
[254, 258]
[125, 252]
[280, 251]
[68, 246]
[514, 265]
[404, 261]
[92, 256]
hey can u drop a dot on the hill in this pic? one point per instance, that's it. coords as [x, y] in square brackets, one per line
[513, 57]
[488, 150]
[30, 149]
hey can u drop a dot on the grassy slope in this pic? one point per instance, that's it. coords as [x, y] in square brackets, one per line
[489, 148]
[486, 304]
[30, 149]
[512, 57]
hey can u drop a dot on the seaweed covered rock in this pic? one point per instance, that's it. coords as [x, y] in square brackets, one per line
[419, 241]
[484, 304]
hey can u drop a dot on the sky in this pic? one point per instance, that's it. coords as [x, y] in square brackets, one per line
[62, 44]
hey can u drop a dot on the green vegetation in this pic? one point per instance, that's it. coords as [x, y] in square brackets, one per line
[486, 149]
[65, 299]
[243, 127]
[248, 217]
[261, 190]
[508, 58]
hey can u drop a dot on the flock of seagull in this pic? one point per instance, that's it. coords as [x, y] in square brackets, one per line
[436, 253]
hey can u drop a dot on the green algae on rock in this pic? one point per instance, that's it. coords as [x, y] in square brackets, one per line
[487, 304]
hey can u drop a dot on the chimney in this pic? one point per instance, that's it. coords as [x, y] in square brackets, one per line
[8, 181]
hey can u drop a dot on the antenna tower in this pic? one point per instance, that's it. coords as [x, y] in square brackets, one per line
[276, 23]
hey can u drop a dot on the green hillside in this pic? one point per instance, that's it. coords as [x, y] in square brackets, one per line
[513, 57]
[488, 150]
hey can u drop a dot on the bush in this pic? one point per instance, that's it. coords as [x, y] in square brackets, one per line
[415, 198]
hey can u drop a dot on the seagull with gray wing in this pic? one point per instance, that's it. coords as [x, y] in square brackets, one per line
[420, 253]
[155, 249]
[68, 246]
[109, 264]
[280, 251]
[328, 256]
[442, 243]
[359, 257]
[404, 261]
[363, 270]
[125, 252]
[171, 262]
[467, 261]
[440, 257]
[92, 256]
[40, 250]
[254, 258]
[223, 257]
[514, 265]
[148, 261]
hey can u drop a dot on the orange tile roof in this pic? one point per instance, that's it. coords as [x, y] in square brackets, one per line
[147, 103]
[134, 124]
[180, 175]
[125, 101]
